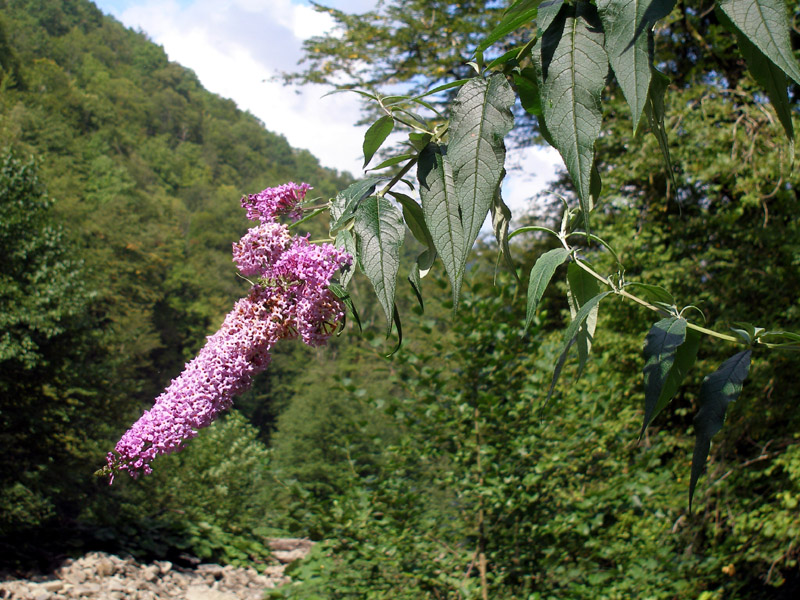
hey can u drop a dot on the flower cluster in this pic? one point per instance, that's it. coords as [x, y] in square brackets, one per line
[273, 202]
[292, 299]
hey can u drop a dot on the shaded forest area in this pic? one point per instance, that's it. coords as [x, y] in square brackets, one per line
[116, 264]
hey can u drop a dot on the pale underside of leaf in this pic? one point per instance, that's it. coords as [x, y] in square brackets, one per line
[380, 230]
[770, 77]
[344, 205]
[481, 117]
[441, 212]
[766, 25]
[501, 219]
[572, 65]
[344, 239]
[628, 26]
[718, 390]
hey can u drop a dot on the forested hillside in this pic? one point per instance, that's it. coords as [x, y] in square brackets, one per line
[121, 183]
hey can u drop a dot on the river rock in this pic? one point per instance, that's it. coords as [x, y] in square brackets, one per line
[102, 576]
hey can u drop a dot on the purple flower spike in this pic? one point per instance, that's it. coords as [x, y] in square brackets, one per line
[292, 299]
[269, 204]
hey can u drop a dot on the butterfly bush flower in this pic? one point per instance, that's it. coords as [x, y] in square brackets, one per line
[291, 299]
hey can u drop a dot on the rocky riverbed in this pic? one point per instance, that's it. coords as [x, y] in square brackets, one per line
[102, 576]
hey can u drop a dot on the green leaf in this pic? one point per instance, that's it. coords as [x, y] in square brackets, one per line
[344, 205]
[571, 335]
[344, 239]
[767, 74]
[442, 88]
[398, 325]
[481, 117]
[528, 90]
[419, 140]
[380, 231]
[653, 293]
[582, 287]
[685, 357]
[347, 300]
[390, 162]
[518, 14]
[655, 110]
[766, 25]
[501, 218]
[718, 390]
[628, 26]
[441, 211]
[415, 219]
[375, 136]
[422, 265]
[541, 274]
[548, 11]
[660, 348]
[571, 66]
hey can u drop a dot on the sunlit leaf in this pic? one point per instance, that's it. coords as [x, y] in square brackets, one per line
[481, 117]
[517, 15]
[344, 239]
[766, 24]
[628, 26]
[344, 205]
[547, 13]
[501, 219]
[541, 274]
[653, 293]
[375, 136]
[441, 211]
[571, 66]
[769, 76]
[390, 162]
[528, 90]
[379, 229]
[718, 390]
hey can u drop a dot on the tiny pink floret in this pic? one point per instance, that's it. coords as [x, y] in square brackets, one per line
[292, 299]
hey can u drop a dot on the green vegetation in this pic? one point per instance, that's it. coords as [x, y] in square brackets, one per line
[443, 471]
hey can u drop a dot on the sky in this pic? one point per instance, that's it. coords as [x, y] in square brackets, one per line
[236, 47]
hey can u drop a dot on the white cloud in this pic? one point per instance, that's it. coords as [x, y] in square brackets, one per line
[236, 47]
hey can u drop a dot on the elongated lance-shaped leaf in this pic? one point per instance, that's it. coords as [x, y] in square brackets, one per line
[441, 211]
[546, 14]
[347, 300]
[421, 267]
[481, 117]
[572, 65]
[380, 231]
[344, 239]
[685, 357]
[570, 336]
[344, 205]
[541, 274]
[375, 136]
[767, 74]
[660, 347]
[628, 26]
[518, 14]
[501, 219]
[766, 24]
[581, 287]
[528, 90]
[718, 390]
[415, 221]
